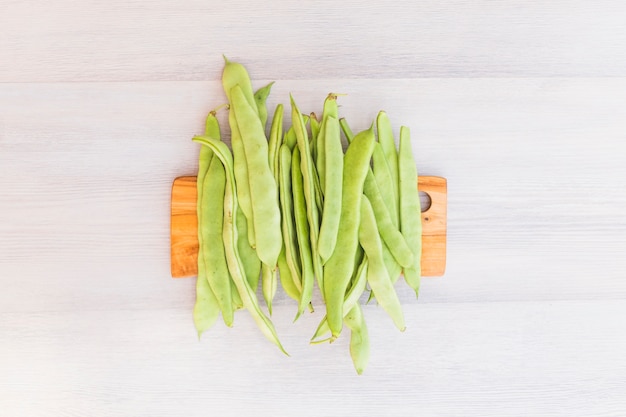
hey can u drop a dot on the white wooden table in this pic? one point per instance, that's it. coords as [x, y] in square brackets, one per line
[520, 105]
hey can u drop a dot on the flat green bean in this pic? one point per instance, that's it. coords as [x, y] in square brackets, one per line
[269, 282]
[332, 195]
[345, 128]
[377, 276]
[235, 265]
[263, 188]
[275, 141]
[391, 235]
[352, 297]
[315, 130]
[303, 232]
[359, 339]
[212, 250]
[286, 280]
[206, 310]
[410, 211]
[232, 75]
[290, 138]
[308, 174]
[338, 270]
[385, 138]
[249, 258]
[290, 240]
[260, 98]
[385, 181]
[393, 267]
[330, 110]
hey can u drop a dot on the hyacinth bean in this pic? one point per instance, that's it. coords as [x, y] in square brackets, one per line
[388, 146]
[410, 211]
[308, 172]
[377, 276]
[260, 98]
[232, 75]
[290, 238]
[332, 185]
[303, 232]
[359, 339]
[229, 237]
[263, 190]
[359, 282]
[338, 270]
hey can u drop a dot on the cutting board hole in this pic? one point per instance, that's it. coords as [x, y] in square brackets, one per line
[425, 201]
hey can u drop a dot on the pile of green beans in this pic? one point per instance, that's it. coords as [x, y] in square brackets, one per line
[291, 205]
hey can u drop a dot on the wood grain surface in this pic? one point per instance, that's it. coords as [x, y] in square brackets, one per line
[519, 105]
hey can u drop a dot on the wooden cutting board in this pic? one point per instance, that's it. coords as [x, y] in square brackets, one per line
[184, 227]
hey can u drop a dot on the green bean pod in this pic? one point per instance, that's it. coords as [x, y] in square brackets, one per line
[332, 196]
[290, 239]
[235, 265]
[232, 75]
[385, 181]
[275, 141]
[345, 128]
[249, 258]
[205, 310]
[330, 110]
[303, 232]
[315, 130]
[377, 276]
[385, 138]
[212, 248]
[308, 173]
[263, 188]
[391, 235]
[410, 210]
[290, 138]
[269, 284]
[359, 339]
[260, 98]
[338, 270]
[286, 280]
[394, 270]
[352, 297]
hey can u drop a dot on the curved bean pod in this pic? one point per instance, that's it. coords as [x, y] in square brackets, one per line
[235, 266]
[391, 235]
[263, 189]
[303, 232]
[212, 249]
[410, 210]
[308, 173]
[249, 258]
[205, 310]
[345, 128]
[290, 240]
[333, 184]
[359, 339]
[352, 297]
[260, 98]
[385, 138]
[385, 181]
[338, 270]
[377, 276]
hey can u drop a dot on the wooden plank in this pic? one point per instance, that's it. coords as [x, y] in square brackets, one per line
[482, 359]
[117, 40]
[184, 227]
